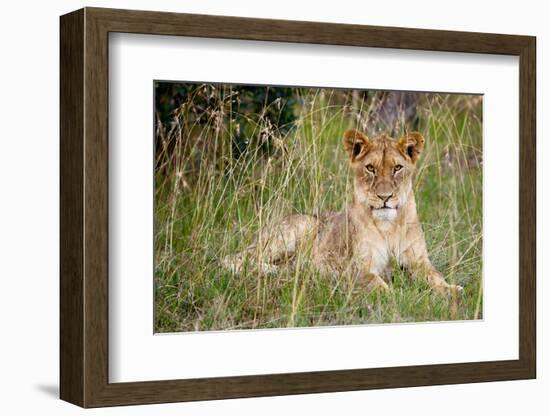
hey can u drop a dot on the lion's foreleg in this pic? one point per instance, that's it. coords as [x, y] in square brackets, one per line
[419, 265]
[376, 284]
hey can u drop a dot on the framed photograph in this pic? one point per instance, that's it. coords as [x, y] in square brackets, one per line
[256, 207]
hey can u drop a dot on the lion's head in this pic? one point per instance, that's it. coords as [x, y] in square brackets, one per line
[383, 169]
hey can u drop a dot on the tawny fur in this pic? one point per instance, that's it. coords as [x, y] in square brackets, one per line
[380, 224]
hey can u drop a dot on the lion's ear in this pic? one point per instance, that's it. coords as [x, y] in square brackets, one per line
[411, 145]
[356, 144]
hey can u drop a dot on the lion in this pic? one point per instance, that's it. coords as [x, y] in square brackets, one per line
[380, 224]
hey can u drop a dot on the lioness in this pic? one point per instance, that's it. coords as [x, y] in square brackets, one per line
[381, 222]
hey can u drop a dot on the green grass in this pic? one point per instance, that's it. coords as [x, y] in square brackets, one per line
[210, 204]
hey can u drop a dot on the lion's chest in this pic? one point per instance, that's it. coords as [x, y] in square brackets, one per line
[368, 247]
[375, 248]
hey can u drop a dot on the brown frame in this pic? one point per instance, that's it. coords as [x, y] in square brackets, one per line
[84, 208]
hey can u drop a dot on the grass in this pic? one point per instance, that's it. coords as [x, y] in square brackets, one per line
[210, 203]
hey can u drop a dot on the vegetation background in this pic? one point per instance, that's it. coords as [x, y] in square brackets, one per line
[230, 158]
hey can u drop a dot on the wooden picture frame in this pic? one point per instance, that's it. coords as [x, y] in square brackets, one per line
[84, 207]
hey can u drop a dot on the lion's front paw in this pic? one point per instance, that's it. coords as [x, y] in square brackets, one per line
[377, 284]
[447, 289]
[456, 288]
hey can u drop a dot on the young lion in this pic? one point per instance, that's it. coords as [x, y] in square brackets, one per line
[381, 222]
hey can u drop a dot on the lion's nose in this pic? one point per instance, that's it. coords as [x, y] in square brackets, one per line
[384, 196]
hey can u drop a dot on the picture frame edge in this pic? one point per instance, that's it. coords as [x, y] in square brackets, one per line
[84, 221]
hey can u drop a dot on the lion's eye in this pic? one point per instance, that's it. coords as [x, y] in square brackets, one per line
[397, 168]
[370, 168]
